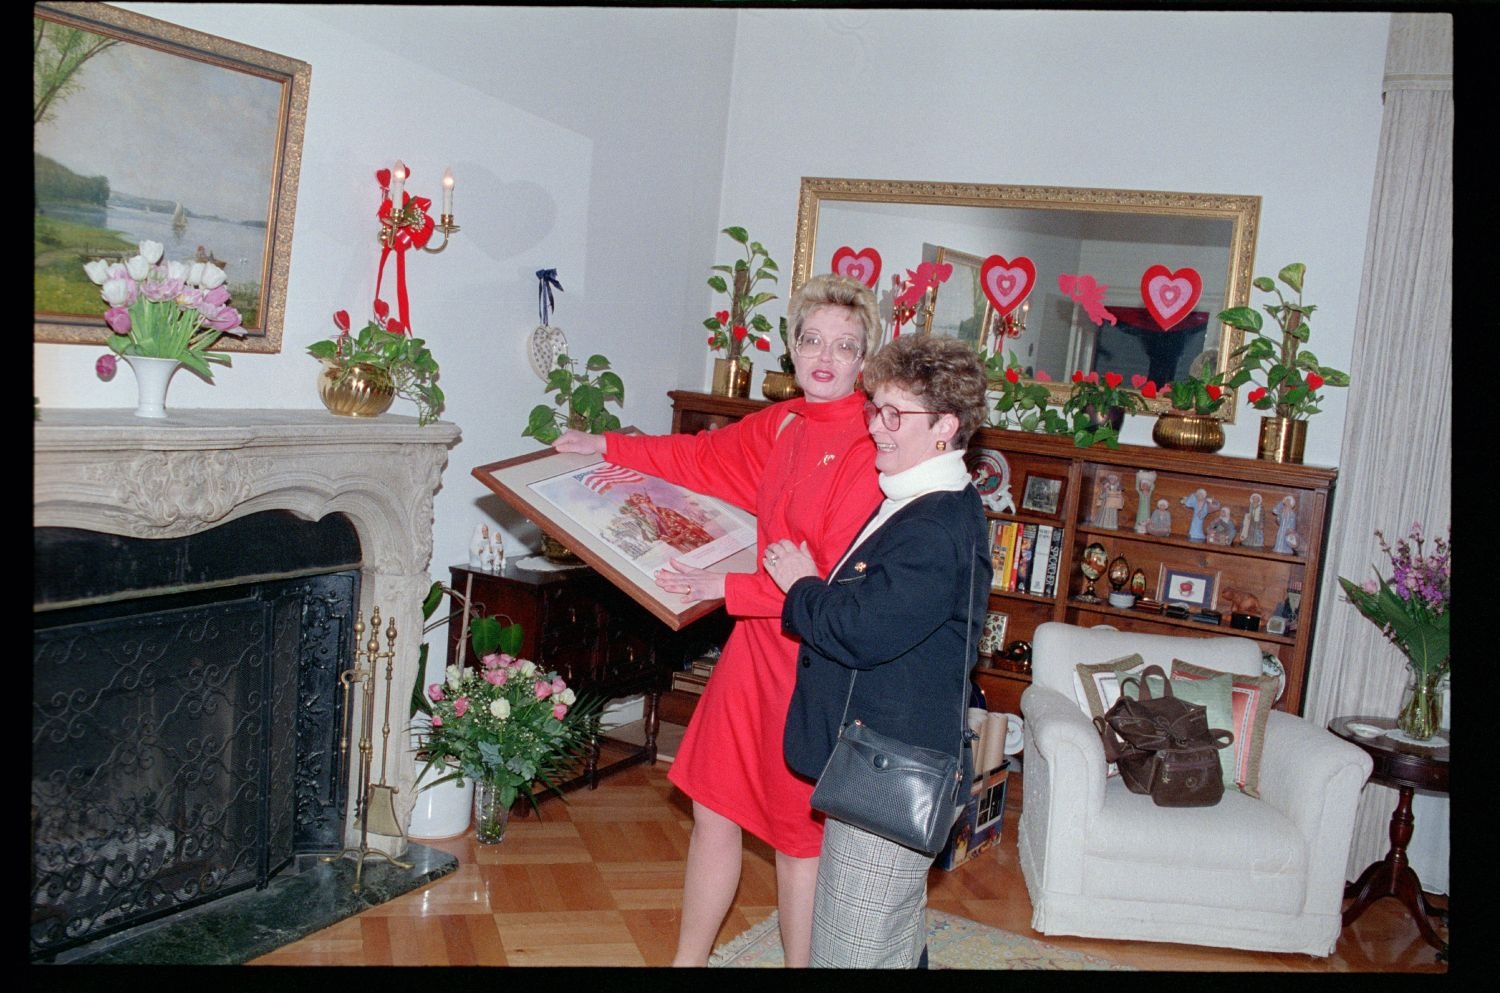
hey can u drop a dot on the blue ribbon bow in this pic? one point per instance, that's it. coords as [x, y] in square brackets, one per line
[546, 280]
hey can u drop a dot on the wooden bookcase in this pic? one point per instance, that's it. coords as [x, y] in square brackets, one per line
[1258, 573]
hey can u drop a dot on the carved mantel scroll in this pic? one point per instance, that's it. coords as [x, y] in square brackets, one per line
[105, 470]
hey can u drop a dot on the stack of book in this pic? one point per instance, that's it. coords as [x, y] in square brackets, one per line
[1025, 557]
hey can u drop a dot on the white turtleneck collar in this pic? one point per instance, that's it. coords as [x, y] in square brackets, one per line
[941, 472]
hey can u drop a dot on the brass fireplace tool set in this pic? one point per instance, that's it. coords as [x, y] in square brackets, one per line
[376, 803]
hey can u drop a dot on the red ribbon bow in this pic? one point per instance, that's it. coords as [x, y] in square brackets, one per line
[411, 233]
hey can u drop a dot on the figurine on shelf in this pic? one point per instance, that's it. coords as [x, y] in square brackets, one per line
[1200, 503]
[1160, 523]
[1109, 499]
[478, 546]
[1286, 525]
[1145, 485]
[1220, 530]
[1253, 529]
[497, 551]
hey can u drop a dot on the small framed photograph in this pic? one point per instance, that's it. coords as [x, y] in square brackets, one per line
[992, 641]
[1043, 494]
[1187, 586]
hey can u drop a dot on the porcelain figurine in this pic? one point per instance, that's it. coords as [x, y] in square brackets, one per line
[1286, 525]
[478, 545]
[1199, 502]
[1160, 523]
[1145, 485]
[1108, 502]
[1253, 528]
[1220, 529]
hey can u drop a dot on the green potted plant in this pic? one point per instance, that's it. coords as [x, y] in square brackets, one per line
[364, 372]
[731, 330]
[580, 401]
[1021, 406]
[1193, 423]
[1287, 376]
[1097, 405]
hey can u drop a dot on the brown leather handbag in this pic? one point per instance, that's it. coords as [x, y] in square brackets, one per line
[1163, 746]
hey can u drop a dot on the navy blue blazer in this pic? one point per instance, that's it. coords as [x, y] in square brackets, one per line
[898, 611]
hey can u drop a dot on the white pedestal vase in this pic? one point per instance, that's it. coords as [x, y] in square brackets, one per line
[151, 378]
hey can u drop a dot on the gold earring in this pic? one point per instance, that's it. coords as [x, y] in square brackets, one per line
[942, 446]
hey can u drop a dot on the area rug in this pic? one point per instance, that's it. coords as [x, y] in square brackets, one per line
[953, 942]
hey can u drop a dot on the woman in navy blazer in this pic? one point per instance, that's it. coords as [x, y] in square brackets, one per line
[903, 610]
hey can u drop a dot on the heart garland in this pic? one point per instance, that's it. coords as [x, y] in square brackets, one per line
[863, 265]
[1170, 296]
[1007, 283]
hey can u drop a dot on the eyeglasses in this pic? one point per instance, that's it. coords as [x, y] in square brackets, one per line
[845, 350]
[889, 416]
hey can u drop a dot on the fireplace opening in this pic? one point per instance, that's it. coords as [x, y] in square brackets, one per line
[186, 717]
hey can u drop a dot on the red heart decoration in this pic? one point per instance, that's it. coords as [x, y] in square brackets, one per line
[863, 265]
[1170, 296]
[1006, 283]
[383, 177]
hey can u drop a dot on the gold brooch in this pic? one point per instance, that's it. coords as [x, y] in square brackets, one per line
[859, 567]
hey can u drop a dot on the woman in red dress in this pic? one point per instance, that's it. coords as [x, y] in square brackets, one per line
[806, 468]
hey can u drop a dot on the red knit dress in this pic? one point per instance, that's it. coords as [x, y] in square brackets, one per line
[815, 481]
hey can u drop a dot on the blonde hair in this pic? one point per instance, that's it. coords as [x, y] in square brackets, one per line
[833, 290]
[944, 373]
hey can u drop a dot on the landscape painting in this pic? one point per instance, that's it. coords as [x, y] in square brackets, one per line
[144, 130]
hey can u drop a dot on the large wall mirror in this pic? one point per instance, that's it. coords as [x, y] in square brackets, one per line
[1112, 236]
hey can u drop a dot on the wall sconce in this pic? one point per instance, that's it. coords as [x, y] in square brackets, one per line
[1011, 325]
[405, 221]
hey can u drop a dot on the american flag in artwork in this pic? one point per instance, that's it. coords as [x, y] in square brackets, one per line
[607, 476]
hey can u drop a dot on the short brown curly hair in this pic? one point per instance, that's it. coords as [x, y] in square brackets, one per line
[944, 372]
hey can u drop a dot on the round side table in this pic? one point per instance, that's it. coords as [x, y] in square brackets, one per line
[1407, 767]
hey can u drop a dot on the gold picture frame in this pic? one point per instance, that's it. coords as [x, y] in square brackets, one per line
[527, 484]
[142, 74]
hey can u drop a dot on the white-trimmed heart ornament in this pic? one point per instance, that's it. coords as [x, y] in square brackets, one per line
[1007, 283]
[863, 265]
[1170, 296]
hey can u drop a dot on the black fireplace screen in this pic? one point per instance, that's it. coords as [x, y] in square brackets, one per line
[185, 746]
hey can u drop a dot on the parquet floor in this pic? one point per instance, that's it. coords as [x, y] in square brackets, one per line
[596, 881]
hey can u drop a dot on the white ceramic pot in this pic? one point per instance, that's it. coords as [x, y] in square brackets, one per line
[442, 811]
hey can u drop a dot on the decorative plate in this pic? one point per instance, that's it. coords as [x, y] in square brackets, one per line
[544, 346]
[991, 475]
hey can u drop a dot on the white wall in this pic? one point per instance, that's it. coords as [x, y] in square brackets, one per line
[613, 144]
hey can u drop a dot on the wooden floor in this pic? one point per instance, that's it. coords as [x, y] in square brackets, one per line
[596, 881]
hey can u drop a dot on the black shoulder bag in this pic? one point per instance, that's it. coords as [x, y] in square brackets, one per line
[901, 792]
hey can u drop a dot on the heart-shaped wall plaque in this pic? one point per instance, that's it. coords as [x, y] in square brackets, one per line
[1007, 283]
[1170, 296]
[863, 265]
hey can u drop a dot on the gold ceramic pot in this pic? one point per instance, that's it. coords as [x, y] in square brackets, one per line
[780, 385]
[730, 378]
[360, 390]
[1282, 439]
[1188, 432]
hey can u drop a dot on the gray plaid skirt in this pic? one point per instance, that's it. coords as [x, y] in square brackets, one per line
[870, 909]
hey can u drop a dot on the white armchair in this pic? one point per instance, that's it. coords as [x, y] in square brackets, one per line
[1102, 862]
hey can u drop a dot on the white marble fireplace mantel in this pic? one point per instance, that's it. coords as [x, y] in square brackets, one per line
[110, 471]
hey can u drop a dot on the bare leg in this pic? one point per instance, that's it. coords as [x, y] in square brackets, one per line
[796, 881]
[712, 877]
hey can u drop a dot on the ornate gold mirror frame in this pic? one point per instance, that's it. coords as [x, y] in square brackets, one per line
[1114, 236]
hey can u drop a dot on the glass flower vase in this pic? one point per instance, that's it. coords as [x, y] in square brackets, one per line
[491, 817]
[1421, 704]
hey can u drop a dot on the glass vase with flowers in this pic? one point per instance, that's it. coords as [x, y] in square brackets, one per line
[1411, 607]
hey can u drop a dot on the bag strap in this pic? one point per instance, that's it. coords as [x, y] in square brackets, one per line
[963, 700]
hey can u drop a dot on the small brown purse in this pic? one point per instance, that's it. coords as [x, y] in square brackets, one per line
[1163, 746]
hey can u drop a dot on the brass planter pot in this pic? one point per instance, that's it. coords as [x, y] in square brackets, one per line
[1282, 439]
[1188, 432]
[363, 390]
[780, 385]
[730, 378]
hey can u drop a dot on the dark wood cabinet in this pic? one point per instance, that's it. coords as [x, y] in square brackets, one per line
[1260, 577]
[597, 638]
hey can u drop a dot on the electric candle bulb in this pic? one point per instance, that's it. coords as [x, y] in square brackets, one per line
[398, 180]
[448, 191]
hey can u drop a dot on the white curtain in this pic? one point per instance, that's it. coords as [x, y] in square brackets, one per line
[1396, 462]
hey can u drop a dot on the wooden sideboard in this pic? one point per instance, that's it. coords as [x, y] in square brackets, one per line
[1258, 575]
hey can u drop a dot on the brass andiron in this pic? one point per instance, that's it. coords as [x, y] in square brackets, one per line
[380, 793]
